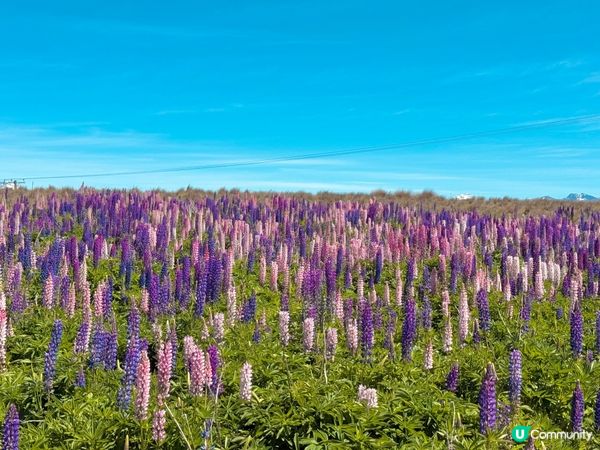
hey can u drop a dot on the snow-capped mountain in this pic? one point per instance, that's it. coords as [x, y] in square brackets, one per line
[464, 197]
[581, 197]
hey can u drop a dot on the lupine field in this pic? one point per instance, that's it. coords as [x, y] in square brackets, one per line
[226, 320]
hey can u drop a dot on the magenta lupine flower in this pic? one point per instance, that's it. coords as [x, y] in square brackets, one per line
[10, 437]
[515, 379]
[487, 400]
[284, 333]
[164, 369]
[52, 355]
[577, 408]
[142, 387]
[331, 340]
[159, 422]
[368, 396]
[246, 382]
[309, 333]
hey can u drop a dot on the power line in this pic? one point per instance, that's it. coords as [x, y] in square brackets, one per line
[324, 154]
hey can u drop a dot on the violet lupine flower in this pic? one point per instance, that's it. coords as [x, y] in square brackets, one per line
[577, 408]
[331, 340]
[367, 333]
[80, 378]
[597, 411]
[598, 332]
[487, 400]
[159, 421]
[246, 382]
[142, 387]
[10, 437]
[576, 330]
[249, 309]
[483, 306]
[426, 313]
[308, 333]
[52, 354]
[452, 378]
[368, 396]
[409, 328]
[476, 334]
[132, 357]
[515, 377]
[215, 364]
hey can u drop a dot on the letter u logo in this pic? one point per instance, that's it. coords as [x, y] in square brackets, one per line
[520, 433]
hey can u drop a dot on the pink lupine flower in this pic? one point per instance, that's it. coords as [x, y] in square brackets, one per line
[48, 297]
[284, 333]
[197, 367]
[3, 334]
[159, 421]
[144, 301]
[352, 336]
[463, 316]
[368, 396]
[331, 340]
[428, 356]
[219, 326]
[142, 386]
[447, 347]
[246, 382]
[232, 307]
[164, 369]
[309, 333]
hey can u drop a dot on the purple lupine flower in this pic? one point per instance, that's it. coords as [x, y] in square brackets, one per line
[52, 354]
[80, 378]
[249, 309]
[452, 378]
[576, 331]
[559, 313]
[597, 411]
[367, 334]
[577, 408]
[598, 332]
[215, 364]
[487, 400]
[10, 437]
[132, 357]
[515, 377]
[483, 306]
[409, 329]
[476, 333]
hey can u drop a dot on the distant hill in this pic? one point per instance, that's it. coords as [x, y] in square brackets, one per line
[581, 197]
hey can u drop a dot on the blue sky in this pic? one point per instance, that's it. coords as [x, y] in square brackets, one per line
[89, 87]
